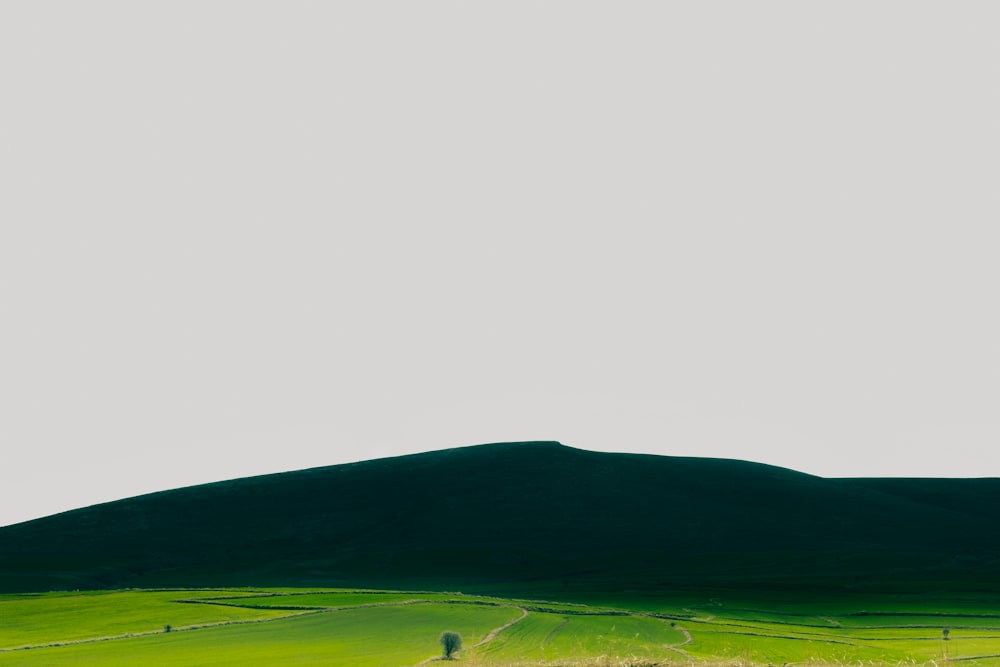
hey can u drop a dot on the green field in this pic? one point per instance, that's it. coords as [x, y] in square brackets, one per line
[392, 628]
[566, 558]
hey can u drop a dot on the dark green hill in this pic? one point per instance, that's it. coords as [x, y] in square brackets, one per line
[515, 516]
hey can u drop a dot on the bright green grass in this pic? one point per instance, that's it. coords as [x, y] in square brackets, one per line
[351, 627]
[776, 651]
[370, 636]
[779, 643]
[584, 636]
[526, 640]
[573, 637]
[62, 617]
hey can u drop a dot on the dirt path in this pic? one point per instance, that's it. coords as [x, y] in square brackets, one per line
[676, 648]
[492, 634]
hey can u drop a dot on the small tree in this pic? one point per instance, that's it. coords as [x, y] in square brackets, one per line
[451, 642]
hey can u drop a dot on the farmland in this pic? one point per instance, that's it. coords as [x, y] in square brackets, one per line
[564, 557]
[392, 628]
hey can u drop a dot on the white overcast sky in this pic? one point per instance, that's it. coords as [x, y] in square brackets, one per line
[249, 237]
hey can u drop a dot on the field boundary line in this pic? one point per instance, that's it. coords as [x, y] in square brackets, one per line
[773, 636]
[263, 607]
[975, 657]
[148, 633]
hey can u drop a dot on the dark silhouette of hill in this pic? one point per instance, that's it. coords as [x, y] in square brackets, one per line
[521, 517]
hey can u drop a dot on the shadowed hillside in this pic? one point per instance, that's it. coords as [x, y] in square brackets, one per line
[523, 517]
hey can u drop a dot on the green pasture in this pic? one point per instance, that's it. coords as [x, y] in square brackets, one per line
[63, 617]
[244, 627]
[367, 636]
[545, 636]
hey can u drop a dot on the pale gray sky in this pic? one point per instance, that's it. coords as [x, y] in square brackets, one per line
[248, 237]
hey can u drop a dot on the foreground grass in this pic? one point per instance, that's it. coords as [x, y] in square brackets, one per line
[382, 636]
[393, 628]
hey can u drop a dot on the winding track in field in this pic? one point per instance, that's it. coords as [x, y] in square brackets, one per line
[676, 648]
[490, 636]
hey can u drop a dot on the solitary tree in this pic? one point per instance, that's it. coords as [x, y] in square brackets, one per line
[451, 642]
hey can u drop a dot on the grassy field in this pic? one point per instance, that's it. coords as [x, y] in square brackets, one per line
[574, 558]
[392, 628]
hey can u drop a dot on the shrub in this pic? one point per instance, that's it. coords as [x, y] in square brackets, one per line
[451, 642]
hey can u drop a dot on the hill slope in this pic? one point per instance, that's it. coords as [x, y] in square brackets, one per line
[519, 513]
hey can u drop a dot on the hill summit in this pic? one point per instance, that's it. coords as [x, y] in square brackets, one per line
[523, 516]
